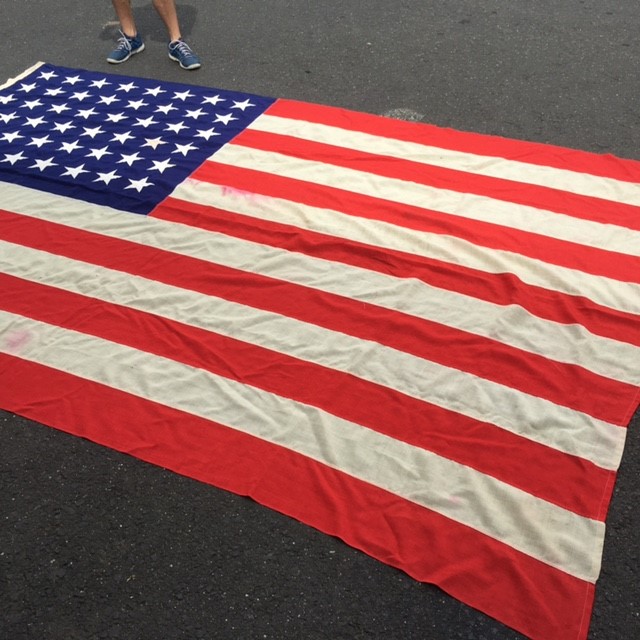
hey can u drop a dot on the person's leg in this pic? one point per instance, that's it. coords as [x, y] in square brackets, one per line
[125, 16]
[130, 43]
[179, 50]
[167, 11]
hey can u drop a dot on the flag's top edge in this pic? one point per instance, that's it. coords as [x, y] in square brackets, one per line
[495, 145]
[22, 75]
[124, 78]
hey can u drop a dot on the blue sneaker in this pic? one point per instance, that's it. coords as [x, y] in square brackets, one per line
[125, 48]
[181, 52]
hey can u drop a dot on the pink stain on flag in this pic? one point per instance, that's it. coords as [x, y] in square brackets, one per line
[422, 341]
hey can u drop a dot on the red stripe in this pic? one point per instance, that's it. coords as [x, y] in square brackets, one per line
[567, 481]
[500, 289]
[475, 568]
[546, 198]
[610, 264]
[486, 358]
[475, 143]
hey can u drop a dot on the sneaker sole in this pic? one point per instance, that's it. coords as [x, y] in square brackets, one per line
[196, 65]
[131, 53]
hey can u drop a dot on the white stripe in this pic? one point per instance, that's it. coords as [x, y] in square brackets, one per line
[528, 416]
[612, 293]
[538, 528]
[492, 166]
[511, 325]
[465, 205]
[448, 248]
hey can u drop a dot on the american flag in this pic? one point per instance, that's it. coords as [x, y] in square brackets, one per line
[422, 341]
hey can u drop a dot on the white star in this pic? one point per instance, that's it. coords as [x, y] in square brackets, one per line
[126, 87]
[31, 104]
[154, 92]
[166, 108]
[80, 95]
[63, 126]
[213, 100]
[108, 99]
[92, 132]
[136, 104]
[206, 133]
[27, 87]
[121, 137]
[224, 119]
[99, 83]
[7, 99]
[47, 75]
[74, 172]
[44, 164]
[7, 117]
[107, 177]
[54, 92]
[86, 113]
[139, 185]
[39, 141]
[161, 166]
[59, 108]
[13, 157]
[34, 122]
[154, 143]
[242, 105]
[146, 122]
[129, 159]
[71, 146]
[98, 153]
[195, 113]
[182, 95]
[184, 148]
[176, 127]
[116, 117]
[72, 80]
[10, 136]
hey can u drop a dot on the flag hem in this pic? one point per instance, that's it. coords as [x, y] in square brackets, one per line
[11, 81]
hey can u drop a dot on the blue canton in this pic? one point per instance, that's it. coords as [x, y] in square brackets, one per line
[110, 139]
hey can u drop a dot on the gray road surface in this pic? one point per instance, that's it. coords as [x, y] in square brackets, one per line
[94, 544]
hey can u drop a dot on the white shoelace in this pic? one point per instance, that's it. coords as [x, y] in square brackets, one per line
[182, 48]
[124, 42]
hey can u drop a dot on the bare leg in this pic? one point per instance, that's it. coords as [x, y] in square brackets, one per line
[167, 11]
[125, 16]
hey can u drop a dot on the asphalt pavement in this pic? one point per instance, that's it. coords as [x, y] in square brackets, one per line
[95, 544]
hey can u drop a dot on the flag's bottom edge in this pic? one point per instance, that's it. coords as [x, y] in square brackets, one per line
[469, 566]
